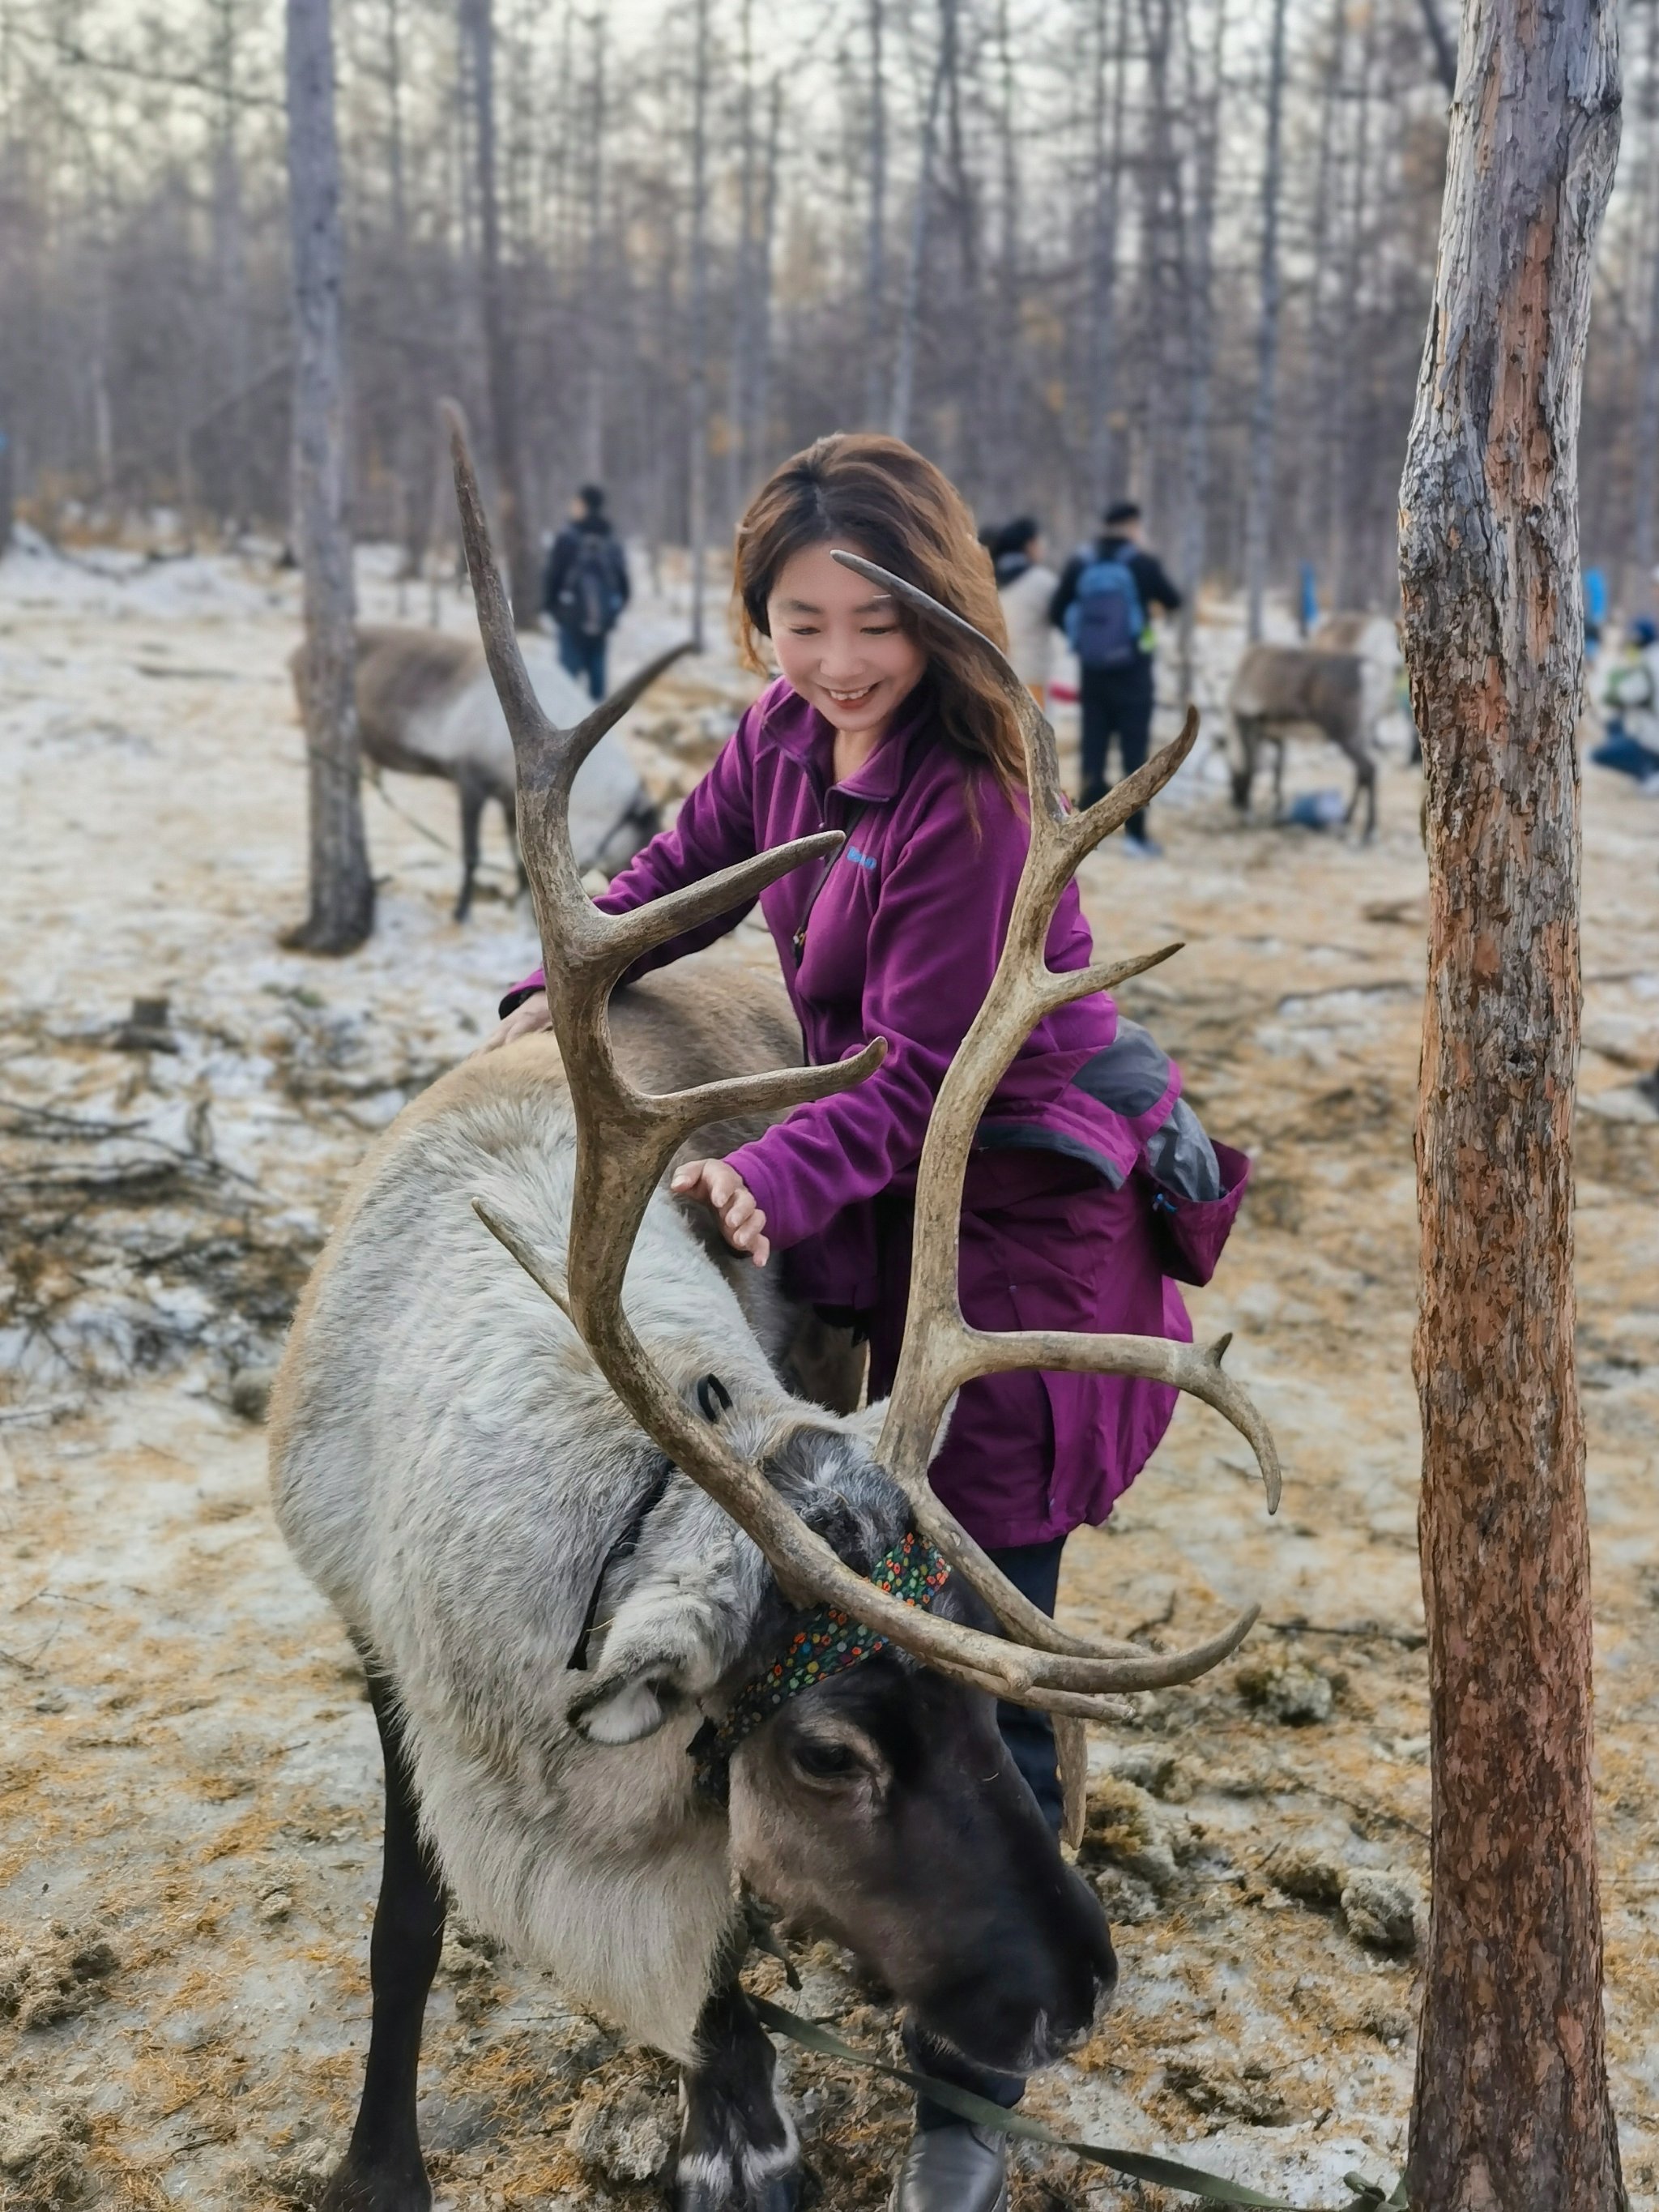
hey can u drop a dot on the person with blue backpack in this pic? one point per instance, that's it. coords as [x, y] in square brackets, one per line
[1103, 604]
[585, 587]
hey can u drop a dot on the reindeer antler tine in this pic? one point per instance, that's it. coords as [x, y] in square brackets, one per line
[530, 728]
[581, 740]
[762, 1094]
[510, 1241]
[1105, 975]
[633, 935]
[1043, 757]
[924, 604]
[1097, 822]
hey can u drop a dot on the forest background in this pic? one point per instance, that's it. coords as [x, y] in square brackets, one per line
[1180, 249]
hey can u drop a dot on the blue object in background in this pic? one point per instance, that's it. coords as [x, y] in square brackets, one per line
[1596, 610]
[1309, 613]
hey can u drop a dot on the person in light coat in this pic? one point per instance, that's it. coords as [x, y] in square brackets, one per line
[1026, 586]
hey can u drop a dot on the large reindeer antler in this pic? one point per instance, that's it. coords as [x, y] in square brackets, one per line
[941, 1351]
[625, 1138]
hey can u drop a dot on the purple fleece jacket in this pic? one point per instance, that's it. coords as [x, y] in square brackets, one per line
[902, 932]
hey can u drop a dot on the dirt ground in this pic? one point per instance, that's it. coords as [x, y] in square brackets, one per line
[188, 1780]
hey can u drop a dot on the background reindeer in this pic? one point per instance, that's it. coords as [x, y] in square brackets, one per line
[1279, 688]
[426, 707]
[569, 1513]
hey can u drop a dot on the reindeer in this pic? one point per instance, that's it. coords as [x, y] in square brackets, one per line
[426, 707]
[1280, 687]
[1340, 631]
[575, 1521]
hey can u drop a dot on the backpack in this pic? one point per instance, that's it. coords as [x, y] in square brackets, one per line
[1104, 621]
[588, 597]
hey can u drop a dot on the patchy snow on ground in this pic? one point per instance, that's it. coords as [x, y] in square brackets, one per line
[188, 1775]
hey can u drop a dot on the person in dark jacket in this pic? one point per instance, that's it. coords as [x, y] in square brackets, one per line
[585, 587]
[1104, 603]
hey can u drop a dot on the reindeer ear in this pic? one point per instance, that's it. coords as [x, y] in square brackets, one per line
[627, 1708]
[666, 1647]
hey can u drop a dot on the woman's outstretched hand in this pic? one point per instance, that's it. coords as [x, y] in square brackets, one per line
[530, 1015]
[712, 1184]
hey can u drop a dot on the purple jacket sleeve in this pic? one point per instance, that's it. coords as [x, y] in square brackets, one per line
[715, 829]
[935, 938]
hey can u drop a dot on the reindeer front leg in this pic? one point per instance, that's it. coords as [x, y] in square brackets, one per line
[383, 2170]
[737, 2152]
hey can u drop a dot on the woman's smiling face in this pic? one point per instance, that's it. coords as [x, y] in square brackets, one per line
[839, 642]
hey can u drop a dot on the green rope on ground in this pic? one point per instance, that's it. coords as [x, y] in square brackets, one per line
[1134, 2165]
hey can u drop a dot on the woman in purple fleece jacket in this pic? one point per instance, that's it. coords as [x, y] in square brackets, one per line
[1090, 1186]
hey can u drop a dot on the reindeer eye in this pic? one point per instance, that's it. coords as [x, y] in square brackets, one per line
[820, 1761]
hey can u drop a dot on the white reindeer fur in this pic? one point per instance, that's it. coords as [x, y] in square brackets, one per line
[452, 1471]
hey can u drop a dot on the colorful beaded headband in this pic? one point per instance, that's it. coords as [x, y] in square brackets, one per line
[822, 1643]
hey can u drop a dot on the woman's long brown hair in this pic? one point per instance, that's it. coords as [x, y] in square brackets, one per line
[879, 497]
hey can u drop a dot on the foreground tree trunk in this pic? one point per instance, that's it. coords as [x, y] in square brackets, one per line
[341, 911]
[1512, 2108]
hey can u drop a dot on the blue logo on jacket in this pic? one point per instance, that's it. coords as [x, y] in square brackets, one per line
[863, 859]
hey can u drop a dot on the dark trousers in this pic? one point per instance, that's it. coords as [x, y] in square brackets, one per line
[1034, 1570]
[1117, 702]
[583, 657]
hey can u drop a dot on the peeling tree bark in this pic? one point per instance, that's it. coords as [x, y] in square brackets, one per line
[1512, 2112]
[341, 911]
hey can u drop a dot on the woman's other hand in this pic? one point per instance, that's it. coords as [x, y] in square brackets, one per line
[530, 1015]
[712, 1184]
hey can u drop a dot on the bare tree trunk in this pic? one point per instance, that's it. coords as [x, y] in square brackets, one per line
[1512, 2107]
[341, 911]
[969, 424]
[875, 250]
[1258, 521]
[904, 364]
[524, 571]
[697, 406]
[594, 300]
[1108, 156]
[1204, 107]
[1352, 470]
[1444, 47]
[230, 264]
[1326, 317]
[1008, 352]
[760, 382]
[740, 364]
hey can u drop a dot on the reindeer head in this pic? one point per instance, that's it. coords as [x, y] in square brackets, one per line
[879, 1803]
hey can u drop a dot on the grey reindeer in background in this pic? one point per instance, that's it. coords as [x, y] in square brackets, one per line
[530, 1438]
[426, 707]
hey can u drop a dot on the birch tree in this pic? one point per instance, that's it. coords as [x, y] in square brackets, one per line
[1512, 2105]
[341, 903]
